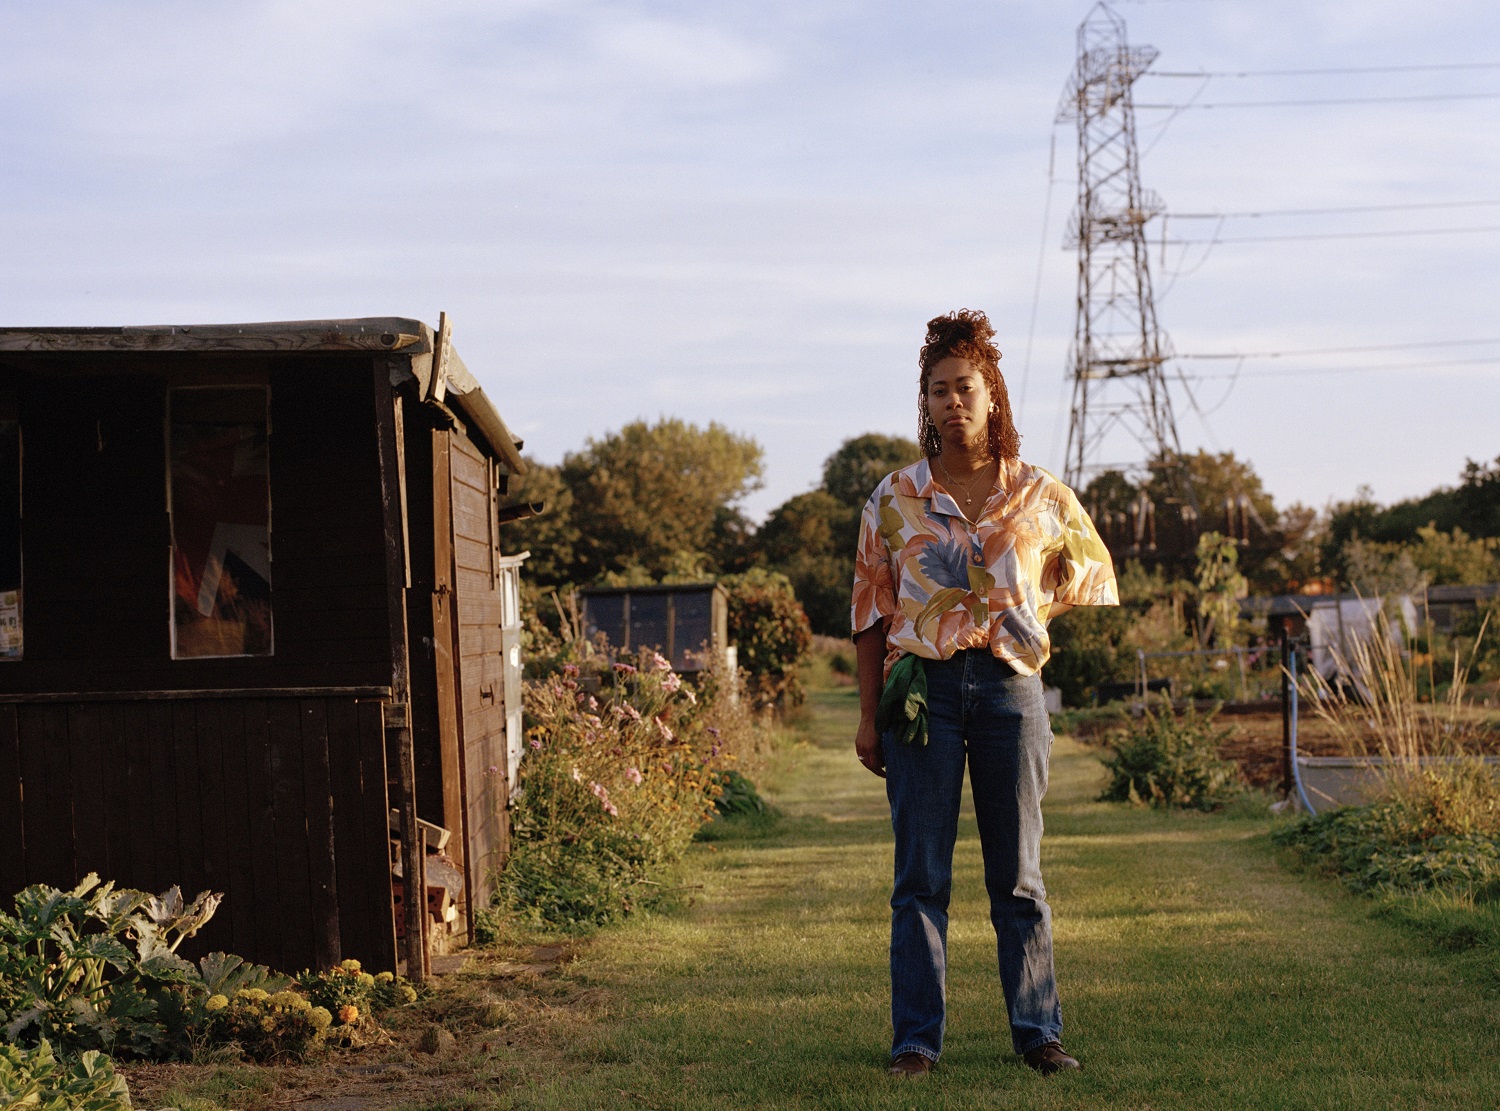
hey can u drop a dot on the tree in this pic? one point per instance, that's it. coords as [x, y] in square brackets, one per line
[649, 491]
[852, 472]
[810, 539]
[551, 536]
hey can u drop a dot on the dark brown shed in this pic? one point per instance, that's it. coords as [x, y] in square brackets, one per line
[254, 598]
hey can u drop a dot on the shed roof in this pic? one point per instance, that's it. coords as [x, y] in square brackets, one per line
[394, 334]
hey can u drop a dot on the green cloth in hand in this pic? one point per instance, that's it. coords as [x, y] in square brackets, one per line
[903, 702]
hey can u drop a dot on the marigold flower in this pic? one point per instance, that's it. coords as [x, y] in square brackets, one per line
[268, 1024]
[408, 993]
[215, 1003]
[348, 1014]
[321, 1019]
[350, 965]
[384, 977]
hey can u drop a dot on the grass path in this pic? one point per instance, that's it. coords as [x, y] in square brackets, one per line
[1195, 972]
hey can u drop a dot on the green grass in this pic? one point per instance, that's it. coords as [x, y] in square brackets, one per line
[1195, 971]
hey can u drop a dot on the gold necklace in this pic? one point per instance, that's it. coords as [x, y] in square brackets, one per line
[968, 493]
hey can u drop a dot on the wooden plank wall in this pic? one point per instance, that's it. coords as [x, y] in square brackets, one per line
[280, 803]
[481, 665]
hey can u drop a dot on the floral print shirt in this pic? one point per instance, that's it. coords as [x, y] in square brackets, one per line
[948, 583]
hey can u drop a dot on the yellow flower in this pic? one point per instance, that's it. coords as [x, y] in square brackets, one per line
[321, 1019]
[255, 995]
[350, 965]
[268, 1024]
[289, 1001]
[408, 993]
[348, 1014]
[215, 1003]
[384, 978]
[366, 980]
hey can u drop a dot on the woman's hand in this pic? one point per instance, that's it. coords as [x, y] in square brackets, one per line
[867, 747]
[869, 656]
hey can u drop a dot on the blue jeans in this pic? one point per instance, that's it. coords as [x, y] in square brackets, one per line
[979, 708]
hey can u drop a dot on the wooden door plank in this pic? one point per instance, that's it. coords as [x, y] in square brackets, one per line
[209, 728]
[86, 767]
[12, 827]
[184, 734]
[356, 865]
[136, 741]
[239, 834]
[167, 840]
[317, 782]
[377, 909]
[294, 882]
[260, 798]
[43, 733]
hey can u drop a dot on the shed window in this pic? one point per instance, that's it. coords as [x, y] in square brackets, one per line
[218, 453]
[10, 531]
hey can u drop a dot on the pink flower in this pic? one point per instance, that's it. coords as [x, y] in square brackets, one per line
[593, 703]
[602, 794]
[659, 662]
[666, 734]
[577, 776]
[536, 742]
[631, 712]
[672, 682]
[633, 774]
[625, 669]
[687, 692]
[570, 669]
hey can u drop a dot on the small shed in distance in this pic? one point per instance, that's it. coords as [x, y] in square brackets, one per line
[257, 598]
[688, 623]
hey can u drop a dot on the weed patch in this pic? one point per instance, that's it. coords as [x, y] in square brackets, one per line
[1171, 761]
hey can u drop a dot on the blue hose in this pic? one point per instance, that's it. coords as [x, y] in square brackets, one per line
[1296, 771]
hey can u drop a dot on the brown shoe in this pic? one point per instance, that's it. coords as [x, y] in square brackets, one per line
[1050, 1058]
[910, 1066]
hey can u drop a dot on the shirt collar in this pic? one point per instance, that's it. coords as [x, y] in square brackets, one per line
[916, 481]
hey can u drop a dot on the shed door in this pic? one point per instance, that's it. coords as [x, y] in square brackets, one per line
[482, 616]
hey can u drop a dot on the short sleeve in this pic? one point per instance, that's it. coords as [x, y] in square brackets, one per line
[874, 588]
[1082, 574]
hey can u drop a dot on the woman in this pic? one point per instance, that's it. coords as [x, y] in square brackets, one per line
[963, 559]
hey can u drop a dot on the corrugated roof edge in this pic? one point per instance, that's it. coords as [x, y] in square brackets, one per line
[393, 334]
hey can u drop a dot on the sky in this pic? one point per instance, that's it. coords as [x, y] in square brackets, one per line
[746, 212]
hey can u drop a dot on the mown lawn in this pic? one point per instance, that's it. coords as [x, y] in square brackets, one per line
[1195, 971]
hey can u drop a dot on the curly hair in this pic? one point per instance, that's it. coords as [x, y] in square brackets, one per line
[967, 334]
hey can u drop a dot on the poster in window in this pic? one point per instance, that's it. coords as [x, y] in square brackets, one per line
[221, 522]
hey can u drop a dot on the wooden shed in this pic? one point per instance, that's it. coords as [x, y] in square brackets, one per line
[257, 617]
[688, 623]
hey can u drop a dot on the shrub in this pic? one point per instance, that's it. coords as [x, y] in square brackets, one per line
[1437, 829]
[772, 635]
[35, 1079]
[1170, 760]
[614, 785]
[280, 1026]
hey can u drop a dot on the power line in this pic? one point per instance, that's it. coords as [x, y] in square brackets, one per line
[1324, 101]
[1312, 372]
[1342, 350]
[1331, 211]
[1432, 68]
[1397, 234]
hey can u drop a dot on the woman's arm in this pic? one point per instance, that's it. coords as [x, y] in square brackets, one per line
[869, 654]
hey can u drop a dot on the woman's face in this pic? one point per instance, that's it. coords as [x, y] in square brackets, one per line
[958, 402]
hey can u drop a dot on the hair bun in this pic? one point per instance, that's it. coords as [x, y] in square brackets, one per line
[965, 325]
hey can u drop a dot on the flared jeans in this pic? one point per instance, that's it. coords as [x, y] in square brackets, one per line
[982, 712]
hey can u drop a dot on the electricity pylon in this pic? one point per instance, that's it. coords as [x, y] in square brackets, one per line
[1118, 347]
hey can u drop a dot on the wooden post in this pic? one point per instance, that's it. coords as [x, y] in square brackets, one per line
[413, 884]
[391, 451]
[1286, 709]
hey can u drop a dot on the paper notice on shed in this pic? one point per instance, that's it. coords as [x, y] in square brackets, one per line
[10, 624]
